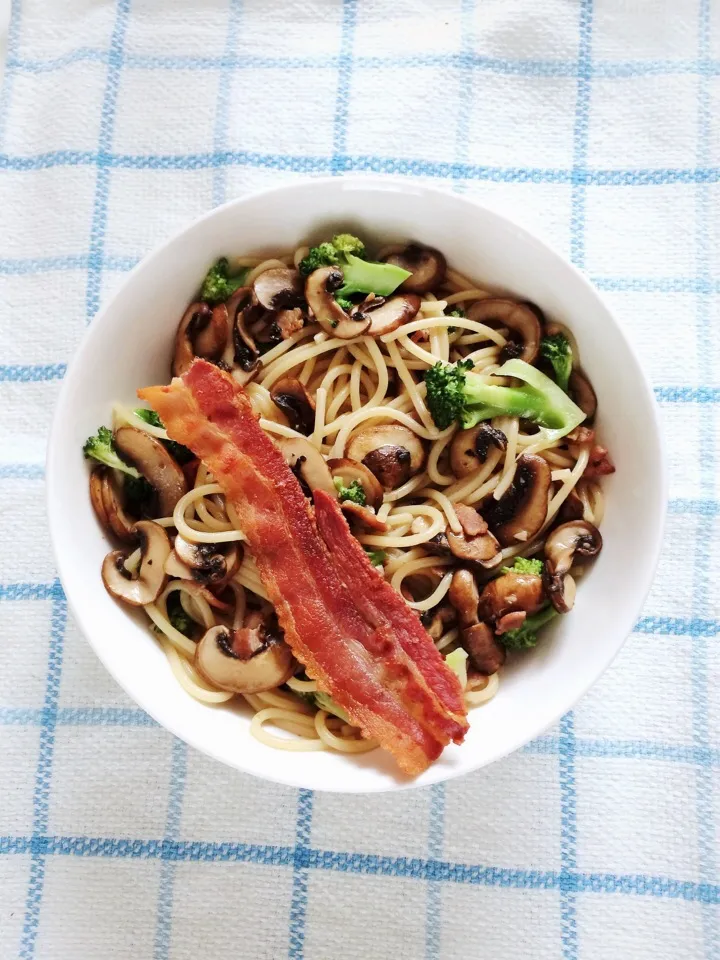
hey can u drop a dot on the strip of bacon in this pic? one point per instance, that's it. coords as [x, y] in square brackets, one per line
[385, 609]
[208, 412]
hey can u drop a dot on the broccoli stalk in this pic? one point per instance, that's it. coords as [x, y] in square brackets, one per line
[218, 286]
[101, 448]
[360, 276]
[525, 565]
[353, 491]
[454, 393]
[525, 636]
[556, 348]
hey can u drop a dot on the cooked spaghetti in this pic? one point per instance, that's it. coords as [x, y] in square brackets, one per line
[401, 389]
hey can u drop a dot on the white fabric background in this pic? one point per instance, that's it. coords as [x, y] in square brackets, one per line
[596, 124]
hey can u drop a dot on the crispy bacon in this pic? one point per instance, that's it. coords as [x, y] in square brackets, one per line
[363, 668]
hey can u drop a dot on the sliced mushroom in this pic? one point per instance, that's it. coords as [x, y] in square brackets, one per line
[291, 396]
[150, 580]
[582, 393]
[280, 288]
[155, 464]
[319, 289]
[392, 452]
[438, 620]
[576, 537]
[511, 592]
[470, 447]
[438, 545]
[349, 470]
[520, 320]
[122, 525]
[392, 314]
[195, 317]
[248, 660]
[427, 267]
[208, 562]
[211, 338]
[484, 651]
[464, 596]
[521, 511]
[308, 465]
[363, 516]
[245, 352]
[483, 549]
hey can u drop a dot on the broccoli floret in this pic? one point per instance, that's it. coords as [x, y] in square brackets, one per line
[457, 312]
[377, 557]
[101, 448]
[326, 702]
[525, 565]
[177, 616]
[526, 636]
[557, 350]
[179, 453]
[454, 393]
[353, 491]
[347, 253]
[347, 305]
[218, 285]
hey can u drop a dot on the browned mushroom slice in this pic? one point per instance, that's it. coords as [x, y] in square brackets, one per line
[96, 495]
[484, 652]
[576, 537]
[208, 562]
[366, 518]
[464, 596]
[150, 580]
[469, 448]
[511, 592]
[483, 549]
[291, 396]
[391, 451]
[155, 464]
[248, 660]
[521, 511]
[319, 289]
[427, 267]
[393, 313]
[194, 319]
[347, 470]
[280, 288]
[524, 326]
[308, 465]
[245, 352]
[211, 339]
[122, 525]
[582, 393]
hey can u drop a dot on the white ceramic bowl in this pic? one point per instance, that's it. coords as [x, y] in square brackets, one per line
[129, 345]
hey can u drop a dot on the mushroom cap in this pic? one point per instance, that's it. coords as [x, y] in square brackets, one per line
[155, 463]
[511, 592]
[482, 549]
[150, 580]
[319, 289]
[392, 452]
[464, 596]
[520, 512]
[348, 470]
[520, 320]
[582, 393]
[196, 316]
[392, 314]
[279, 288]
[212, 337]
[308, 464]
[206, 562]
[571, 538]
[107, 502]
[426, 265]
[365, 517]
[469, 448]
[243, 661]
[485, 653]
[291, 396]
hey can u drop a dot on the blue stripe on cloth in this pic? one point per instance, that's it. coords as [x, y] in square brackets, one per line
[344, 86]
[222, 107]
[32, 373]
[27, 591]
[105, 140]
[43, 264]
[43, 774]
[300, 864]
[163, 928]
[436, 836]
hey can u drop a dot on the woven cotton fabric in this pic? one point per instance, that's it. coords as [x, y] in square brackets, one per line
[595, 122]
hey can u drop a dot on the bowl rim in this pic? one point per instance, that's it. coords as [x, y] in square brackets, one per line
[381, 184]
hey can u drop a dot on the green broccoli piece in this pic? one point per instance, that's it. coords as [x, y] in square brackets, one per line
[177, 616]
[347, 305]
[360, 276]
[377, 557]
[353, 491]
[218, 286]
[102, 448]
[177, 451]
[457, 312]
[525, 636]
[454, 393]
[525, 565]
[557, 350]
[326, 702]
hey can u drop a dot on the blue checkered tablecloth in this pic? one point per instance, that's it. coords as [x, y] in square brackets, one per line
[594, 121]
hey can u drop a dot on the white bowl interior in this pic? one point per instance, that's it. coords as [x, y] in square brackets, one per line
[129, 345]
